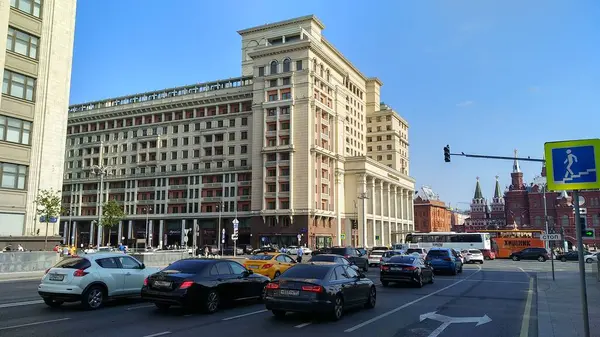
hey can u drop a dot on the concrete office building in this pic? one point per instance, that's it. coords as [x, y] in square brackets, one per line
[36, 67]
[283, 149]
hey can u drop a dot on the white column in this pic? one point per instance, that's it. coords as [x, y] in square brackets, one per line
[389, 214]
[66, 232]
[381, 226]
[161, 229]
[373, 211]
[181, 243]
[395, 213]
[120, 233]
[91, 241]
[130, 230]
[363, 209]
[339, 176]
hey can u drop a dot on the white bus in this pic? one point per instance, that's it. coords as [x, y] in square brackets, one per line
[457, 241]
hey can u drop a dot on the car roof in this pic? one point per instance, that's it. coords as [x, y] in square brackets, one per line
[439, 248]
[100, 255]
[324, 263]
[330, 255]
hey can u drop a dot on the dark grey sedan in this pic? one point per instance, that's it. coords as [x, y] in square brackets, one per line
[406, 268]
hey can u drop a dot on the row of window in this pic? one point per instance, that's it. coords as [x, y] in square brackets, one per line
[15, 130]
[18, 85]
[13, 176]
[31, 7]
[22, 43]
[274, 67]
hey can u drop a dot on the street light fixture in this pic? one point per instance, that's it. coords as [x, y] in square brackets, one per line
[100, 170]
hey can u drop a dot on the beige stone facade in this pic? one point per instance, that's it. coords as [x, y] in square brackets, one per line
[36, 66]
[283, 149]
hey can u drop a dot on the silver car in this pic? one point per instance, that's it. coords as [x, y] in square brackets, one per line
[388, 255]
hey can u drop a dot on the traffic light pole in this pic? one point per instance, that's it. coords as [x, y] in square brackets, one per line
[579, 229]
[462, 154]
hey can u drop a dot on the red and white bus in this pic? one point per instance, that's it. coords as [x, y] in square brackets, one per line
[456, 241]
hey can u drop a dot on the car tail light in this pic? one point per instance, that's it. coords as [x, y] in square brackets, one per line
[410, 268]
[347, 256]
[146, 282]
[47, 270]
[313, 289]
[267, 266]
[385, 268]
[80, 273]
[447, 259]
[273, 286]
[186, 284]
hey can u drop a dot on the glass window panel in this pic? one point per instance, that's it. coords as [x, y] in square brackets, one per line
[21, 182]
[37, 8]
[29, 93]
[13, 135]
[13, 3]
[25, 137]
[25, 6]
[33, 47]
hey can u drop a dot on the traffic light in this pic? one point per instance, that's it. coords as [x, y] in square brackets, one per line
[586, 233]
[354, 224]
[447, 153]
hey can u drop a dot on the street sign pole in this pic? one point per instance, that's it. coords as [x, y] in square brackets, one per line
[579, 229]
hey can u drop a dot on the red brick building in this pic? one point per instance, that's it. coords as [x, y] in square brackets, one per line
[431, 215]
[522, 206]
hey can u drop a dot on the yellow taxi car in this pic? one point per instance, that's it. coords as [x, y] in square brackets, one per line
[269, 264]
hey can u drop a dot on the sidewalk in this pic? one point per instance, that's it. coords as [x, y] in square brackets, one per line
[559, 304]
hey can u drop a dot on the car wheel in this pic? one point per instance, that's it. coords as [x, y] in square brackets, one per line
[486, 258]
[212, 302]
[162, 306]
[338, 309]
[515, 258]
[278, 313]
[372, 299]
[420, 281]
[461, 269]
[431, 279]
[53, 303]
[93, 298]
[385, 283]
[562, 259]
[454, 271]
[277, 273]
[481, 262]
[589, 260]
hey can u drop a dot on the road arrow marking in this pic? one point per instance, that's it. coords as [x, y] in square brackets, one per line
[447, 320]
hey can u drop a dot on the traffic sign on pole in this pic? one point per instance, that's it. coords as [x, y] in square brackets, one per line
[551, 237]
[573, 165]
[234, 237]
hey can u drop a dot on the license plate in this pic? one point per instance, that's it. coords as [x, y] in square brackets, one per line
[57, 277]
[162, 284]
[396, 269]
[253, 267]
[285, 292]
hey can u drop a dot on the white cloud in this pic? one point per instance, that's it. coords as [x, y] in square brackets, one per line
[465, 104]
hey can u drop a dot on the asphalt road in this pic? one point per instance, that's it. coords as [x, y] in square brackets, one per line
[499, 295]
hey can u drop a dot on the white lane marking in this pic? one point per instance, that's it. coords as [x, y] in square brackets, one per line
[159, 334]
[299, 326]
[244, 315]
[140, 307]
[491, 281]
[527, 313]
[20, 304]
[376, 318]
[34, 323]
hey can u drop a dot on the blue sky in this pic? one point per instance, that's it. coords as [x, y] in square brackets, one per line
[485, 77]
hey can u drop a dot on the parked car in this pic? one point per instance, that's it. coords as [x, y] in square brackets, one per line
[444, 259]
[353, 255]
[406, 268]
[488, 254]
[265, 249]
[375, 257]
[473, 256]
[533, 253]
[421, 251]
[92, 279]
[202, 283]
[569, 256]
[321, 288]
[269, 264]
[389, 254]
[590, 258]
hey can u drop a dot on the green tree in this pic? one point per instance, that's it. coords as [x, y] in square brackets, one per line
[112, 213]
[48, 205]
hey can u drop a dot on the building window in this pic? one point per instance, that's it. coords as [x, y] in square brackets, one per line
[273, 67]
[14, 130]
[33, 7]
[287, 65]
[13, 176]
[17, 85]
[299, 65]
[261, 71]
[22, 43]
[286, 95]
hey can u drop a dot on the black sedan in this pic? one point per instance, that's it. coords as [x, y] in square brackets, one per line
[203, 284]
[319, 287]
[406, 268]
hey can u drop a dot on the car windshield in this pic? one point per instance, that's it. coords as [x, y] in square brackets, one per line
[380, 248]
[338, 251]
[390, 254]
[377, 252]
[73, 263]
[324, 258]
[187, 266]
[414, 250]
[437, 253]
[260, 257]
[307, 271]
[403, 259]
[474, 251]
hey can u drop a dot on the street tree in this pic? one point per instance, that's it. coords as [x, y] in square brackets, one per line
[112, 213]
[48, 205]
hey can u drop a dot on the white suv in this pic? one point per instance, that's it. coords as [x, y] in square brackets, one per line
[473, 255]
[93, 278]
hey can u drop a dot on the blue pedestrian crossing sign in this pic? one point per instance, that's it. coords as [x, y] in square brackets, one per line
[572, 165]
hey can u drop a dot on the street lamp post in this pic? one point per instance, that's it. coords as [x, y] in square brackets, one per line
[220, 236]
[69, 239]
[147, 210]
[101, 170]
[364, 196]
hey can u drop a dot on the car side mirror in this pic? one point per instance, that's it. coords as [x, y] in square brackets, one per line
[248, 272]
[142, 266]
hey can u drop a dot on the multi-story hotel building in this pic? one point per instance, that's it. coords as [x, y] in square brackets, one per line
[36, 67]
[284, 149]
